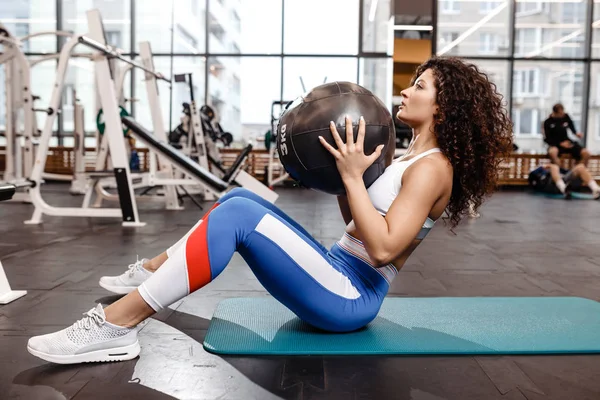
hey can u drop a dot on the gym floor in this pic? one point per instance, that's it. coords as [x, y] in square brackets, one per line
[523, 245]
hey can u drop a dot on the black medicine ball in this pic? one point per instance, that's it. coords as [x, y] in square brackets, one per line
[306, 118]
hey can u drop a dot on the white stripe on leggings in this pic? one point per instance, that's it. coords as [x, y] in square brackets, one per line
[306, 257]
[181, 241]
[169, 283]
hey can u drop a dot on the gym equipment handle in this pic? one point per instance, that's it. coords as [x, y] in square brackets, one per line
[111, 52]
[179, 159]
[7, 190]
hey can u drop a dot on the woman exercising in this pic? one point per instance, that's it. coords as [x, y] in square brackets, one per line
[459, 131]
[565, 182]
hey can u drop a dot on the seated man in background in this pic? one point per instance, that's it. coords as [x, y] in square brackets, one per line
[556, 136]
[552, 179]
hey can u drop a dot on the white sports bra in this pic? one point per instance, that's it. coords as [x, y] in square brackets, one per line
[385, 189]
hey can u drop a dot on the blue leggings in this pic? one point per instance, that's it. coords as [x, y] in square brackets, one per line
[336, 290]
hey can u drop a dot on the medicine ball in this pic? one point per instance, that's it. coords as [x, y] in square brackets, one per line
[306, 118]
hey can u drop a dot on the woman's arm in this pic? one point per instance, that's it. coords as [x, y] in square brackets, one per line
[422, 185]
[345, 208]
[386, 237]
[343, 199]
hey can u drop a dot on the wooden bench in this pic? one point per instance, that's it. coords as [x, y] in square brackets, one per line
[61, 160]
[256, 165]
[514, 170]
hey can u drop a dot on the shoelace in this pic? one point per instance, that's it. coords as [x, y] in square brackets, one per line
[134, 267]
[91, 317]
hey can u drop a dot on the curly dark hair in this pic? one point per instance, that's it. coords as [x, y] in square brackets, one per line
[472, 129]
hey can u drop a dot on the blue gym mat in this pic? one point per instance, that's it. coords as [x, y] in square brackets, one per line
[443, 325]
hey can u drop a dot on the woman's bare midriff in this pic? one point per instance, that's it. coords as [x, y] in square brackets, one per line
[399, 261]
[436, 212]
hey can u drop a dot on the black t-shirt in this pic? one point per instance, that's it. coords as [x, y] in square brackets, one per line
[555, 129]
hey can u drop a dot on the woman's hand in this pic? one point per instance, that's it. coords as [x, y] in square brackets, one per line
[350, 158]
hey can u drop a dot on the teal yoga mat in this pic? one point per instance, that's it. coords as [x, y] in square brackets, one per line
[574, 196]
[443, 325]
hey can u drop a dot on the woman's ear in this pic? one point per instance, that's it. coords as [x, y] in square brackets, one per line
[437, 116]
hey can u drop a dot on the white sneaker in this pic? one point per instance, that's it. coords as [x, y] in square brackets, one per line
[127, 282]
[90, 339]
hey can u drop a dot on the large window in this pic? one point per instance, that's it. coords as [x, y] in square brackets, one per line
[181, 93]
[544, 64]
[259, 24]
[486, 7]
[23, 18]
[376, 75]
[472, 28]
[80, 86]
[593, 128]
[573, 48]
[301, 74]
[550, 29]
[528, 7]
[542, 28]
[596, 30]
[242, 93]
[497, 73]
[538, 85]
[526, 121]
[570, 86]
[224, 88]
[243, 55]
[376, 26]
[321, 27]
[446, 40]
[526, 82]
[116, 18]
[245, 27]
[450, 6]
[42, 83]
[153, 24]
[527, 41]
[573, 12]
[489, 43]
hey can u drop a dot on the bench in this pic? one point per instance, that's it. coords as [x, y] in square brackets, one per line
[515, 169]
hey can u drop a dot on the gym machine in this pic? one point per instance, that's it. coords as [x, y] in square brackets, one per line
[7, 294]
[270, 139]
[19, 144]
[128, 212]
[22, 129]
[164, 176]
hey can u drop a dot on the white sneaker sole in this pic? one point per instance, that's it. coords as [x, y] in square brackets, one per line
[106, 355]
[118, 289]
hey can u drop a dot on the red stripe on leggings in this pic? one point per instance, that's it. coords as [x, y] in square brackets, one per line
[209, 211]
[196, 255]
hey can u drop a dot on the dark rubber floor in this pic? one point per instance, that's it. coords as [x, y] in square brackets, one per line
[522, 245]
